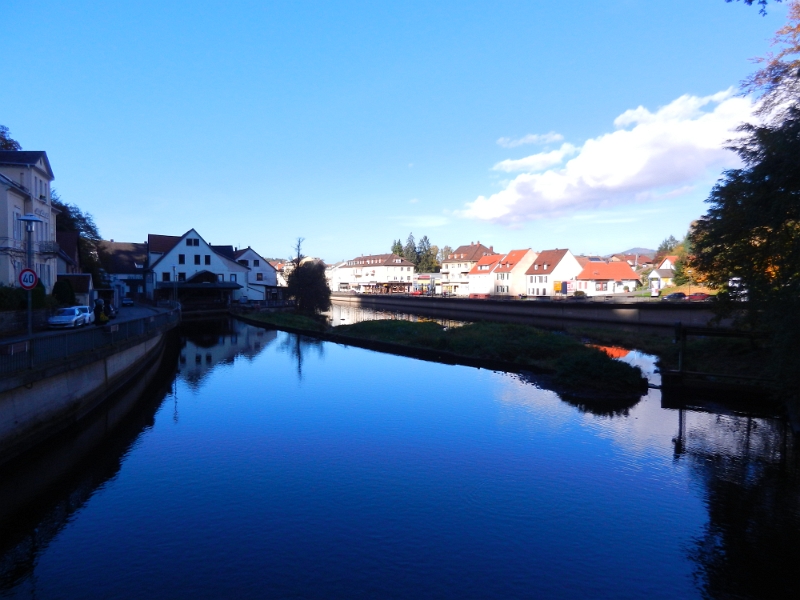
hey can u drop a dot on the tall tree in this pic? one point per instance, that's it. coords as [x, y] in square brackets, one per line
[443, 254]
[410, 250]
[427, 258]
[72, 218]
[397, 247]
[6, 141]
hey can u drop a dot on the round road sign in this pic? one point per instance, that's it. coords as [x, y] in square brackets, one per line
[28, 279]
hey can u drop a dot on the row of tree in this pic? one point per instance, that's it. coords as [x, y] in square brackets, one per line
[427, 258]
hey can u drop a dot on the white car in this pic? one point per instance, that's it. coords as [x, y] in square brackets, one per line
[88, 314]
[66, 317]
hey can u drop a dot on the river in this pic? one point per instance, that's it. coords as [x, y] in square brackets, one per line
[261, 464]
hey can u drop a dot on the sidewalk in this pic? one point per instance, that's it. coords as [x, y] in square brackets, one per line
[126, 313]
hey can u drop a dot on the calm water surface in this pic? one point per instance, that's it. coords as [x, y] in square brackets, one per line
[272, 465]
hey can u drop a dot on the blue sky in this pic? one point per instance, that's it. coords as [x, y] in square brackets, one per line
[354, 123]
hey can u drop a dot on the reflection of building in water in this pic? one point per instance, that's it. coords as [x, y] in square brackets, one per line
[211, 342]
[344, 314]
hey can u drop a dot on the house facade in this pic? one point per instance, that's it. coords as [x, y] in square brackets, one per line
[378, 274]
[262, 278]
[553, 272]
[457, 266]
[509, 274]
[601, 279]
[25, 179]
[188, 268]
[481, 276]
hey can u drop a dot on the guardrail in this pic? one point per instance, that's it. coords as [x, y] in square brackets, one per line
[40, 351]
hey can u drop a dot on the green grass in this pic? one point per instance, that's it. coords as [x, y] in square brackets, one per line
[289, 320]
[572, 364]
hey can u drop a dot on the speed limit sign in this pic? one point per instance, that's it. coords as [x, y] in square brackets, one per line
[28, 279]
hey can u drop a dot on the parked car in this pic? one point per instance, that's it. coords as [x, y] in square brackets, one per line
[699, 297]
[127, 301]
[674, 297]
[66, 317]
[87, 312]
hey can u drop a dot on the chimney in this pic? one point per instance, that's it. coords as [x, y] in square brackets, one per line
[112, 241]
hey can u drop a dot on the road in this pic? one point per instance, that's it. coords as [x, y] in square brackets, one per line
[126, 313]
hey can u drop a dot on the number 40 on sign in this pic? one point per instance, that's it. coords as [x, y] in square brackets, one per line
[28, 279]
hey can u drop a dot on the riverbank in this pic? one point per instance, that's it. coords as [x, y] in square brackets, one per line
[556, 361]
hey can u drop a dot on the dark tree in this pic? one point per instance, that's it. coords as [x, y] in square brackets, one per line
[427, 257]
[410, 250]
[72, 218]
[397, 247]
[309, 288]
[63, 292]
[6, 141]
[306, 283]
[748, 242]
[761, 3]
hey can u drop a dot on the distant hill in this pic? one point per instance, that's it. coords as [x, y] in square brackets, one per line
[640, 251]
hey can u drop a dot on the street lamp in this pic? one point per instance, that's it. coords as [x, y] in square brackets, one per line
[30, 222]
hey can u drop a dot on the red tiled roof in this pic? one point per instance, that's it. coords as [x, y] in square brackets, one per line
[469, 252]
[546, 261]
[511, 260]
[491, 260]
[616, 271]
[162, 243]
[670, 257]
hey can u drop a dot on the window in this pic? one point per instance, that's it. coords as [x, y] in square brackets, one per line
[17, 226]
[181, 259]
[233, 277]
[255, 262]
[220, 277]
[208, 259]
[181, 276]
[189, 242]
[242, 262]
[259, 277]
[165, 276]
[197, 259]
[535, 267]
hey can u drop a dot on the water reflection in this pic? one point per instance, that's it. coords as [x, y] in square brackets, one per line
[482, 485]
[345, 314]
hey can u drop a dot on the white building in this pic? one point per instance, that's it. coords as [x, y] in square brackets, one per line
[600, 279]
[481, 276]
[457, 266]
[509, 274]
[262, 278]
[187, 266]
[553, 272]
[25, 189]
[337, 276]
[378, 274]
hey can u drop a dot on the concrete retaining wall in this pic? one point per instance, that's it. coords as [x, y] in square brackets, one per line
[32, 412]
[551, 314]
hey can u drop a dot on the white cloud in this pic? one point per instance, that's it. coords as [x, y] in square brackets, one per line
[531, 138]
[651, 155]
[537, 162]
[413, 200]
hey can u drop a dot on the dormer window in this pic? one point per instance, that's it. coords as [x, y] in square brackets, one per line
[535, 267]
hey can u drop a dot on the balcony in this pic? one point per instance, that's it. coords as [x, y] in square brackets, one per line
[47, 248]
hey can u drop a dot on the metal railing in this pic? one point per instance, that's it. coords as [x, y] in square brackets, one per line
[40, 351]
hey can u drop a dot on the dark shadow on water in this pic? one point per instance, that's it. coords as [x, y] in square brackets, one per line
[40, 491]
[298, 346]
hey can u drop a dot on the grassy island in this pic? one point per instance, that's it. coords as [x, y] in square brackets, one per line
[560, 361]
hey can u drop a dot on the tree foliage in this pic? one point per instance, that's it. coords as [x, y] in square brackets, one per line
[6, 141]
[761, 3]
[410, 250]
[72, 218]
[306, 283]
[397, 247]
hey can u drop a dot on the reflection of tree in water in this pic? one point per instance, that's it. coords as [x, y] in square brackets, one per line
[299, 345]
[600, 407]
[41, 491]
[751, 544]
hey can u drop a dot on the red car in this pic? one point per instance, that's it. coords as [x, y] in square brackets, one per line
[698, 297]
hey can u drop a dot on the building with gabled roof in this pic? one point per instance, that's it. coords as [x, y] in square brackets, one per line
[553, 272]
[262, 278]
[377, 274]
[457, 265]
[125, 264]
[509, 274]
[188, 268]
[481, 276]
[25, 178]
[599, 279]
